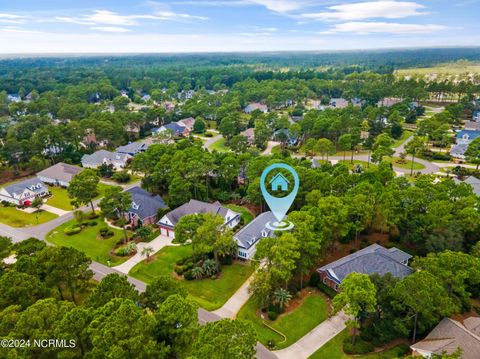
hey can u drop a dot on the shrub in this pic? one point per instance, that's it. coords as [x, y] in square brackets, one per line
[179, 269]
[360, 346]
[293, 288]
[209, 134]
[327, 290]
[271, 344]
[182, 261]
[314, 279]
[92, 223]
[188, 275]
[272, 315]
[273, 308]
[228, 260]
[69, 231]
[92, 215]
[121, 177]
[107, 233]
[129, 249]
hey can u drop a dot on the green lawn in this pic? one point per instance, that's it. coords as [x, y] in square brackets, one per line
[210, 294]
[88, 242]
[293, 325]
[219, 146]
[333, 350]
[102, 187]
[407, 165]
[355, 162]
[13, 217]
[245, 213]
[59, 198]
[405, 135]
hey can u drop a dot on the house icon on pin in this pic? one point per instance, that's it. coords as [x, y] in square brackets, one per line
[279, 183]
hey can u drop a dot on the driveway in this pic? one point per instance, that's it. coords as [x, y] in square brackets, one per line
[315, 339]
[236, 301]
[157, 244]
[211, 141]
[270, 146]
[54, 210]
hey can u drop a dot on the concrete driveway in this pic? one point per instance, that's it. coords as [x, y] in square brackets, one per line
[315, 339]
[236, 301]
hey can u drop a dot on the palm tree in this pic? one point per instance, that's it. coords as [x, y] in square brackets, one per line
[281, 297]
[209, 267]
[197, 272]
[147, 252]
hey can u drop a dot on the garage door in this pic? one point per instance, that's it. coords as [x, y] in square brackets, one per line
[163, 232]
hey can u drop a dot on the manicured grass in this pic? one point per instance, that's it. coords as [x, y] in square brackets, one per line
[102, 187]
[405, 135]
[163, 263]
[219, 146]
[13, 217]
[355, 162]
[293, 325]
[211, 294]
[407, 165]
[59, 198]
[333, 350]
[245, 213]
[88, 241]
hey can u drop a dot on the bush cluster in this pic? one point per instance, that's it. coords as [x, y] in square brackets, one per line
[70, 231]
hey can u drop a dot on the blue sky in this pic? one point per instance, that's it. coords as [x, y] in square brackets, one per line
[50, 26]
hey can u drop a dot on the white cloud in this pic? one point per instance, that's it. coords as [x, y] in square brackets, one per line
[12, 18]
[282, 6]
[387, 9]
[384, 27]
[116, 29]
[106, 17]
[18, 30]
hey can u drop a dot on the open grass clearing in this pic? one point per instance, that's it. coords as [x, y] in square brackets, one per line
[13, 217]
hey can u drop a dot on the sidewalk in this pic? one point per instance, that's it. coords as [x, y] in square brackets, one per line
[315, 339]
[157, 244]
[236, 301]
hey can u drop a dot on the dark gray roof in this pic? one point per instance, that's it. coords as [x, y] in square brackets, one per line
[61, 172]
[447, 337]
[370, 260]
[33, 184]
[145, 204]
[473, 182]
[252, 232]
[175, 127]
[98, 157]
[194, 206]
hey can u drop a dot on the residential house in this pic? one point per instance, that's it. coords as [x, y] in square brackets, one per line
[132, 129]
[472, 125]
[188, 123]
[248, 237]
[144, 207]
[249, 133]
[339, 103]
[256, 106]
[96, 159]
[471, 181]
[476, 116]
[24, 192]
[449, 336]
[467, 136]
[177, 129]
[168, 222]
[13, 97]
[458, 151]
[134, 148]
[146, 97]
[168, 106]
[369, 260]
[388, 102]
[59, 175]
[284, 132]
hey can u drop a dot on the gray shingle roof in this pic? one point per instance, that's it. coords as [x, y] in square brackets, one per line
[194, 206]
[97, 157]
[145, 204]
[252, 232]
[135, 147]
[61, 172]
[447, 337]
[370, 260]
[33, 184]
[458, 150]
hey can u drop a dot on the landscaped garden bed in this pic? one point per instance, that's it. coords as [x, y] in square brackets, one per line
[93, 237]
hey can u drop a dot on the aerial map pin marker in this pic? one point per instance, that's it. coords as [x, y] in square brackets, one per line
[279, 205]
